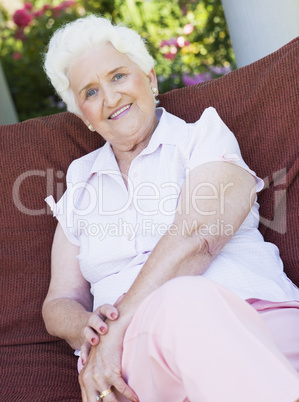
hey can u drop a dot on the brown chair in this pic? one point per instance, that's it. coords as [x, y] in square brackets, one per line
[258, 102]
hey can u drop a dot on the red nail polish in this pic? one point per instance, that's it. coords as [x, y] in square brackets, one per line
[102, 329]
[113, 315]
[93, 340]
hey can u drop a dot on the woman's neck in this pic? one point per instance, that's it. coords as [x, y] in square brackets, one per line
[124, 157]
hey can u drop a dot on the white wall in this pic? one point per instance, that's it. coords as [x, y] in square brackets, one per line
[7, 110]
[259, 27]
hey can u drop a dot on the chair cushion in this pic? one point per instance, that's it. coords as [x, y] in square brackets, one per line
[39, 372]
[258, 102]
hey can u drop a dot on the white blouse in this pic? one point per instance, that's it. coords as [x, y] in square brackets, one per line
[118, 227]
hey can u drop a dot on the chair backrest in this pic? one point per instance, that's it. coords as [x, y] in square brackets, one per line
[258, 102]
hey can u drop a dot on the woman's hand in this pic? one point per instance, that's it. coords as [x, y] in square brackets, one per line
[95, 327]
[103, 368]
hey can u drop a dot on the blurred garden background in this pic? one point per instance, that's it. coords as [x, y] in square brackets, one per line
[188, 39]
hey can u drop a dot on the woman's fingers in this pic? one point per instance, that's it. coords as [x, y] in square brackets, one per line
[103, 370]
[125, 390]
[110, 397]
[90, 336]
[83, 389]
[96, 325]
[84, 395]
[96, 320]
[85, 348]
[122, 388]
[108, 311]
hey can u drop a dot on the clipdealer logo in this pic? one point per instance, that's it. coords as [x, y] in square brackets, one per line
[54, 184]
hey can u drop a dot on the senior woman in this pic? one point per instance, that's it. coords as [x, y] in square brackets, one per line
[157, 264]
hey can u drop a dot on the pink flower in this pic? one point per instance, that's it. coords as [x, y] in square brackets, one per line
[58, 10]
[169, 55]
[64, 5]
[181, 41]
[163, 43]
[22, 17]
[28, 5]
[169, 42]
[17, 56]
[174, 42]
[68, 3]
[41, 12]
[188, 29]
[38, 13]
[46, 7]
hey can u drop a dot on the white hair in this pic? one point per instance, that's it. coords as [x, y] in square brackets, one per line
[85, 34]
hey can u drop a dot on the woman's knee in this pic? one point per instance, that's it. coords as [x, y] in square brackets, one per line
[188, 287]
[185, 295]
[182, 297]
[177, 298]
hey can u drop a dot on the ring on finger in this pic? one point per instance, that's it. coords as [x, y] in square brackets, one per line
[104, 393]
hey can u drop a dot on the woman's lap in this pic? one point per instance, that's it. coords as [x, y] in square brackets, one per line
[194, 335]
[282, 319]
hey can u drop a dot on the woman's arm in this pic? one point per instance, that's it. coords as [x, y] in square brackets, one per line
[68, 302]
[214, 194]
[215, 199]
[68, 305]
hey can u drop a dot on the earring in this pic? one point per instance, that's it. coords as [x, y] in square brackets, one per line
[155, 93]
[90, 127]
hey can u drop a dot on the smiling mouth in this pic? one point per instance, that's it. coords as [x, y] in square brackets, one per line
[118, 112]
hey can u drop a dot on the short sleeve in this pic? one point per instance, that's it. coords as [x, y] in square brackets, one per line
[63, 210]
[59, 211]
[213, 141]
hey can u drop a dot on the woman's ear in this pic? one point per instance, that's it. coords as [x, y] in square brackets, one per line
[86, 122]
[153, 78]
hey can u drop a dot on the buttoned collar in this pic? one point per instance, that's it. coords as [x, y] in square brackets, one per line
[164, 134]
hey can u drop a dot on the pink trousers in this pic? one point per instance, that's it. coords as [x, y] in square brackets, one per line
[193, 340]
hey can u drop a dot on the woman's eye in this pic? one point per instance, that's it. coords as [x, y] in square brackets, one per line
[118, 76]
[90, 93]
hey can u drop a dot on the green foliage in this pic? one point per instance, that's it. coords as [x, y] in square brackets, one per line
[187, 38]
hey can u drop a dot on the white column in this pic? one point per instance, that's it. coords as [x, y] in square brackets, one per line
[259, 27]
[8, 114]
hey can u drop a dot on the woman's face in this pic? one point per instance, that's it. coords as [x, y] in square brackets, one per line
[115, 96]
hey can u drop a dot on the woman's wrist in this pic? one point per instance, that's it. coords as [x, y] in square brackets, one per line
[126, 311]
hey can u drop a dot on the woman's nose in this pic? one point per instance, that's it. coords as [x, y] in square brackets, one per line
[111, 96]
